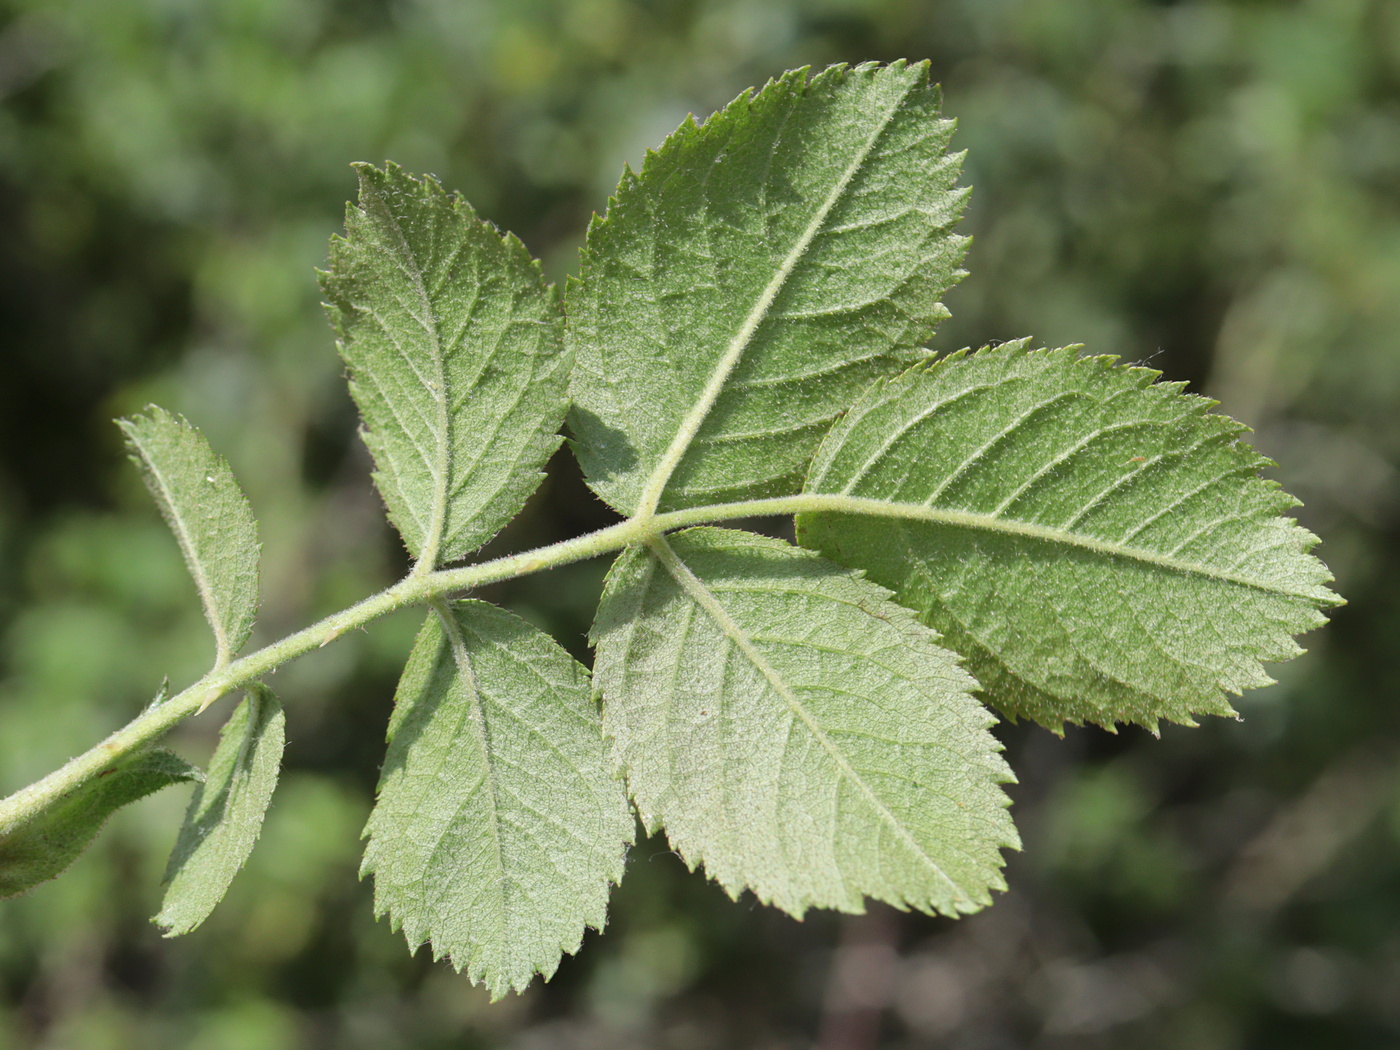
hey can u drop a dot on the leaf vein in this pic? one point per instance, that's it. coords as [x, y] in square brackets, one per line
[695, 417]
[701, 595]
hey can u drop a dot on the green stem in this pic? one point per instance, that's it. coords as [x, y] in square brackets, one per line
[415, 589]
[421, 587]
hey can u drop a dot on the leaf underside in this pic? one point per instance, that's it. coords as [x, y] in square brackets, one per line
[500, 825]
[1098, 547]
[45, 845]
[211, 518]
[760, 271]
[795, 731]
[226, 813]
[453, 342]
[1091, 545]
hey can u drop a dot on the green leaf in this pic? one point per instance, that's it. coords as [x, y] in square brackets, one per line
[45, 845]
[760, 271]
[1098, 547]
[795, 731]
[453, 342]
[226, 812]
[209, 515]
[499, 825]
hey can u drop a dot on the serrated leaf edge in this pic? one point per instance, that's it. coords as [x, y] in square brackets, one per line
[479, 972]
[429, 554]
[262, 704]
[1144, 377]
[696, 590]
[690, 425]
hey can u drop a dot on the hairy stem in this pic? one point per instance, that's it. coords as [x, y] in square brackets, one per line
[420, 588]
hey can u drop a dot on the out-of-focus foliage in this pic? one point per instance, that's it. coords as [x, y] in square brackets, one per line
[1211, 186]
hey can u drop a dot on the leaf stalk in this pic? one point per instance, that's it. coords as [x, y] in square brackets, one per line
[419, 588]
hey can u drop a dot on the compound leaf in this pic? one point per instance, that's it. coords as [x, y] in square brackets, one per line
[499, 825]
[43, 846]
[760, 271]
[795, 731]
[226, 812]
[452, 338]
[1098, 547]
[211, 518]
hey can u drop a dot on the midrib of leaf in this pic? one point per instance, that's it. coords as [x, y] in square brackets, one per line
[222, 652]
[1028, 530]
[453, 632]
[695, 418]
[701, 595]
[408, 262]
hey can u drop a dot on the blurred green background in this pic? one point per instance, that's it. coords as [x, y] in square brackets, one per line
[1211, 187]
